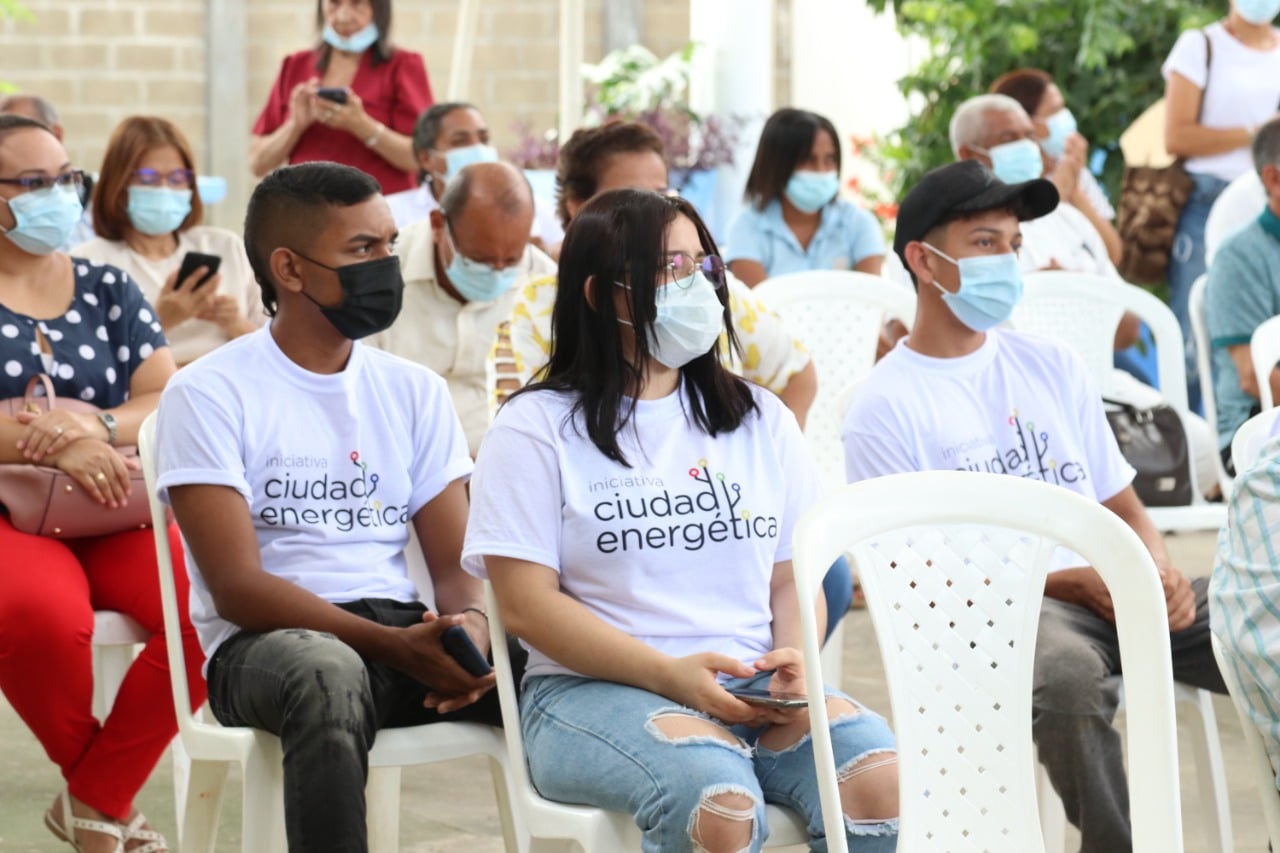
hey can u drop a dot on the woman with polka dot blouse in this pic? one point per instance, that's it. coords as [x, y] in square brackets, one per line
[92, 331]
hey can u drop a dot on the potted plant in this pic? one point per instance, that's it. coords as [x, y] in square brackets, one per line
[632, 84]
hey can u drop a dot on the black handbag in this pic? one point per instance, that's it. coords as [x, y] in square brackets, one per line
[1155, 443]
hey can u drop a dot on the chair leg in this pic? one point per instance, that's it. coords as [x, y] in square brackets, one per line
[263, 813]
[1210, 776]
[382, 809]
[200, 803]
[1053, 817]
[110, 665]
[512, 832]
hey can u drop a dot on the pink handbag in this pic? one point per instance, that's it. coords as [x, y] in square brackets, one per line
[47, 501]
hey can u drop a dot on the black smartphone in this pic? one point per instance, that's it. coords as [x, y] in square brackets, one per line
[191, 262]
[770, 698]
[332, 93]
[457, 642]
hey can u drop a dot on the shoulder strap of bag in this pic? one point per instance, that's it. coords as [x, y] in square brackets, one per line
[43, 380]
[1208, 67]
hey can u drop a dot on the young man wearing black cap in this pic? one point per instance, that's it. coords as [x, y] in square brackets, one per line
[958, 393]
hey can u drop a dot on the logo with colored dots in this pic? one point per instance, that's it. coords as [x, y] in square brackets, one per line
[370, 480]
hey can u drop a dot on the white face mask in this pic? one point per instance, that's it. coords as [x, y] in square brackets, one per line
[689, 321]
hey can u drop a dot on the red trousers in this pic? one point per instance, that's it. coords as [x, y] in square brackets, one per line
[48, 591]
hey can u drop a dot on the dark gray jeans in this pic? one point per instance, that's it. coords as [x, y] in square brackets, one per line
[1074, 702]
[326, 704]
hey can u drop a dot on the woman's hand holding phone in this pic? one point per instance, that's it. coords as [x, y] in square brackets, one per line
[691, 681]
[787, 665]
[180, 301]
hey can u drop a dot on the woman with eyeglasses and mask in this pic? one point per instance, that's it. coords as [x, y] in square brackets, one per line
[147, 213]
[1063, 149]
[644, 554]
[91, 331]
[796, 219]
[353, 99]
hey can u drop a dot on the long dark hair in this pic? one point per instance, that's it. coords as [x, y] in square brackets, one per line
[620, 236]
[381, 50]
[785, 143]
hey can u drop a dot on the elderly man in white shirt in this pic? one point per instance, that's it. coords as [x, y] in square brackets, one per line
[462, 266]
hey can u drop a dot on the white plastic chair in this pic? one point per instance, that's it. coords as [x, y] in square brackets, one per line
[1204, 367]
[211, 749]
[554, 826]
[1237, 206]
[1250, 437]
[1264, 349]
[954, 565]
[1264, 774]
[1083, 311]
[837, 315]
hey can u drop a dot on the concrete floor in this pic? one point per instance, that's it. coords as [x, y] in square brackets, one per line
[449, 808]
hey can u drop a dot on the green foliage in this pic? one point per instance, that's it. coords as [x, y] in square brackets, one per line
[13, 9]
[1105, 56]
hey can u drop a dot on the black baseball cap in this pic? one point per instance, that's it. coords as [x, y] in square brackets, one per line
[966, 186]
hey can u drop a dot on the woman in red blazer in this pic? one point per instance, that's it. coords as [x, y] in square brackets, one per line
[353, 99]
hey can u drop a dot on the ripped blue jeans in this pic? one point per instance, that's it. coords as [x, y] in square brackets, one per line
[597, 743]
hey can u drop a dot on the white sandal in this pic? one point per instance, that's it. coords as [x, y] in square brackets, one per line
[135, 832]
[66, 831]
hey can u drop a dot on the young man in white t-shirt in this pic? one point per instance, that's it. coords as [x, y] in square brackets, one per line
[295, 460]
[959, 394]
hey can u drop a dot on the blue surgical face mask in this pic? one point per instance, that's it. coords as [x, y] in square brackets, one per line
[44, 219]
[457, 159]
[810, 191]
[158, 210]
[478, 282]
[1062, 125]
[357, 42]
[1015, 162]
[990, 287]
[1258, 12]
[688, 322]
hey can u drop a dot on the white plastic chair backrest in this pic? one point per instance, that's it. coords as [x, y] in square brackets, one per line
[1264, 774]
[1237, 206]
[508, 701]
[953, 564]
[168, 589]
[837, 315]
[1251, 435]
[1204, 351]
[1264, 349]
[1083, 311]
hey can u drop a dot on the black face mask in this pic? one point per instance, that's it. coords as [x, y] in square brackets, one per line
[372, 292]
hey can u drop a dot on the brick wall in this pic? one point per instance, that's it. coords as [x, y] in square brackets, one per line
[100, 61]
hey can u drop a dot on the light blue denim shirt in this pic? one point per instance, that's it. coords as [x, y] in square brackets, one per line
[846, 235]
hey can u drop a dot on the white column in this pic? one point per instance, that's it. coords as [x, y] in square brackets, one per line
[571, 53]
[464, 43]
[733, 75]
[845, 64]
[226, 108]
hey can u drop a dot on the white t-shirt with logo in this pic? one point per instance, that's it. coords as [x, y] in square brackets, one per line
[1019, 404]
[333, 467]
[676, 550]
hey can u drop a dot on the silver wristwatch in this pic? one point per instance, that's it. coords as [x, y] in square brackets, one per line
[109, 421]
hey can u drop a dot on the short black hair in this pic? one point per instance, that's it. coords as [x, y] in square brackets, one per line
[426, 132]
[586, 154]
[1266, 145]
[289, 208]
[785, 143]
[10, 122]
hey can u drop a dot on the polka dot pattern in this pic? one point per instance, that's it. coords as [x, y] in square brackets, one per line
[91, 351]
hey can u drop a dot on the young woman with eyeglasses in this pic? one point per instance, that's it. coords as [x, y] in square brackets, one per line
[643, 555]
[147, 213]
[92, 332]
